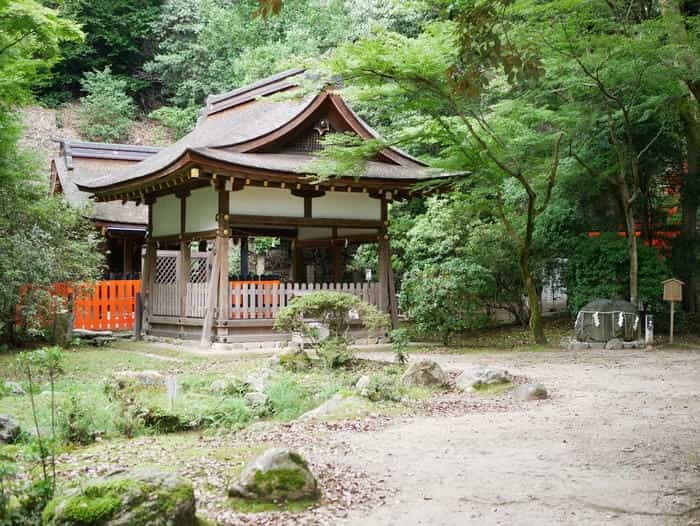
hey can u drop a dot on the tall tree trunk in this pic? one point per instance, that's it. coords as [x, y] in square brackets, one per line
[690, 199]
[533, 299]
[628, 213]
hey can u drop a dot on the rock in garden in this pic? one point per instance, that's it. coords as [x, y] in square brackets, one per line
[218, 386]
[472, 379]
[15, 388]
[297, 360]
[528, 392]
[576, 345]
[615, 343]
[362, 385]
[276, 475]
[145, 379]
[138, 498]
[336, 405]
[255, 399]
[425, 373]
[258, 380]
[9, 429]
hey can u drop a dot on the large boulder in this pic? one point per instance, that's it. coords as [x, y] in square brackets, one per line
[9, 429]
[527, 392]
[138, 379]
[138, 498]
[337, 406]
[424, 373]
[475, 379]
[277, 475]
[15, 388]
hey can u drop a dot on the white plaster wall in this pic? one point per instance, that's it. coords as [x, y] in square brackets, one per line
[346, 205]
[265, 201]
[202, 207]
[166, 216]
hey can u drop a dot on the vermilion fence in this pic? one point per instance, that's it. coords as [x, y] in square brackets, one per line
[108, 305]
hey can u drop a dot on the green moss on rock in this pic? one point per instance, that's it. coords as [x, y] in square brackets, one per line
[137, 499]
[278, 475]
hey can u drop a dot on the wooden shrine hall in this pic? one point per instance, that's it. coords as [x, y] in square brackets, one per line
[245, 171]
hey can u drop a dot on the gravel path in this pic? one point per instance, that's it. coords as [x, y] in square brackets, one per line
[617, 444]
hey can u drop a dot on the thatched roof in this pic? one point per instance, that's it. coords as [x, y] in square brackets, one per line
[90, 161]
[246, 128]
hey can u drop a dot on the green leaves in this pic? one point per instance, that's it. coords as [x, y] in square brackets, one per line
[30, 37]
[107, 112]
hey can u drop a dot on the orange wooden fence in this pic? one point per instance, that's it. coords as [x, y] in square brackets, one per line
[108, 305]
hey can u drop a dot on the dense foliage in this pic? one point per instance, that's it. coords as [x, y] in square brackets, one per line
[42, 240]
[597, 269]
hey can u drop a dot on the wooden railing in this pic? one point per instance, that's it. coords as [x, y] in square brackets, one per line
[262, 300]
[259, 299]
[107, 305]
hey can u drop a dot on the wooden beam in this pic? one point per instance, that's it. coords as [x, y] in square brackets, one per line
[340, 241]
[304, 221]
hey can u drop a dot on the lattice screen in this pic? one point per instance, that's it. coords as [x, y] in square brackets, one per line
[309, 142]
[198, 269]
[166, 269]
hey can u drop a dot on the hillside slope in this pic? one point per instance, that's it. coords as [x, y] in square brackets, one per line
[42, 126]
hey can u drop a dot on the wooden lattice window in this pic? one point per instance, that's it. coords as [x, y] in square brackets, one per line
[166, 268]
[198, 269]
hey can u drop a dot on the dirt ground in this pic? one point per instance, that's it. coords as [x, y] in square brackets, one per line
[617, 444]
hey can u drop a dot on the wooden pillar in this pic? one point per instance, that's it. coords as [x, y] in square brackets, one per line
[212, 296]
[299, 270]
[183, 266]
[244, 258]
[127, 256]
[148, 271]
[337, 260]
[148, 277]
[218, 292]
[387, 287]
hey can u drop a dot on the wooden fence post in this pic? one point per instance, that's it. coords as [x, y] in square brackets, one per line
[138, 317]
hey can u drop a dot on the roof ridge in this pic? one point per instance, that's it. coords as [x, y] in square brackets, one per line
[107, 146]
[213, 99]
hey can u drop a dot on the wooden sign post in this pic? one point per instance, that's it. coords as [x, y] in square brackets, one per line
[673, 292]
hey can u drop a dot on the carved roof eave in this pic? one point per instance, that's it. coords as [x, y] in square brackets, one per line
[177, 177]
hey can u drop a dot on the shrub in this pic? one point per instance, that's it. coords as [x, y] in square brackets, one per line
[333, 309]
[180, 120]
[295, 361]
[288, 398]
[443, 299]
[399, 344]
[230, 413]
[4, 390]
[334, 352]
[107, 112]
[383, 387]
[76, 424]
